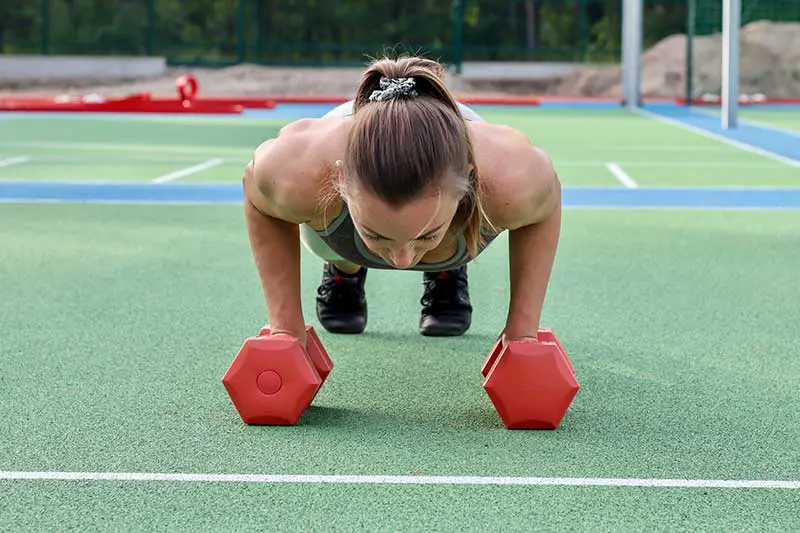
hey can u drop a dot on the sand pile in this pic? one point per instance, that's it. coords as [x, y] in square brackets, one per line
[769, 64]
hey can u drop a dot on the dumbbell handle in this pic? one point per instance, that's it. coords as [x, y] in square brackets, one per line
[504, 339]
[266, 331]
[546, 336]
[312, 346]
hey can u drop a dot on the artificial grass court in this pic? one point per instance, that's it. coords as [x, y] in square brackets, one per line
[119, 320]
[781, 117]
[787, 119]
[582, 144]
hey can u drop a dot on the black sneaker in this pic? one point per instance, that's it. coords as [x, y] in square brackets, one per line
[341, 302]
[446, 309]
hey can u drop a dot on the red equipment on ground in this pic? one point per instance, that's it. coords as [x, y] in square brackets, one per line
[531, 384]
[187, 101]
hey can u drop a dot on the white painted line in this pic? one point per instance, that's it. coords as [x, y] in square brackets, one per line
[14, 161]
[682, 148]
[677, 164]
[122, 147]
[172, 176]
[720, 138]
[115, 159]
[405, 480]
[621, 175]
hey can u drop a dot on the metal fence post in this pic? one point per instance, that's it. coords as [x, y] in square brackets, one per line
[241, 31]
[458, 35]
[44, 27]
[150, 43]
[583, 7]
[691, 16]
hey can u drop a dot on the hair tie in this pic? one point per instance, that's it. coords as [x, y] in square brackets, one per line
[391, 88]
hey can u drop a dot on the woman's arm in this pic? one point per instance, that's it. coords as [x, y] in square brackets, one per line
[534, 232]
[273, 229]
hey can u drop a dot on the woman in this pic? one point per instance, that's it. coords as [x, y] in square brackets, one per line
[403, 177]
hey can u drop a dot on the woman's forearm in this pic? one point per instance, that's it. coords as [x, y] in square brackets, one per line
[276, 250]
[532, 251]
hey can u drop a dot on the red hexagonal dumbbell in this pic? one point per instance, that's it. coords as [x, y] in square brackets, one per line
[531, 384]
[272, 380]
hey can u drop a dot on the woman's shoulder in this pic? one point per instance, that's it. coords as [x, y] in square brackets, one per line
[292, 172]
[518, 178]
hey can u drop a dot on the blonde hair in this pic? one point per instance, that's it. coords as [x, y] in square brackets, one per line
[409, 136]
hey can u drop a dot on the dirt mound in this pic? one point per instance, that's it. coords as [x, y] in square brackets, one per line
[769, 64]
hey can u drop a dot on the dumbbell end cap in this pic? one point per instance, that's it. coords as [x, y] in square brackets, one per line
[531, 386]
[271, 381]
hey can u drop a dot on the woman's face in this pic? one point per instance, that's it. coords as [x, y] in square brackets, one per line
[402, 236]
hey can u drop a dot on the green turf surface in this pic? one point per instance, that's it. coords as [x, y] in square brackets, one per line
[119, 322]
[788, 119]
[581, 144]
[784, 118]
[132, 131]
[654, 154]
[156, 507]
[122, 166]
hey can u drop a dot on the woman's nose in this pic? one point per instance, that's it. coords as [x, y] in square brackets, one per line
[402, 258]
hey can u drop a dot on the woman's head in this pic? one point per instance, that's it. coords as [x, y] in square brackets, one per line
[409, 169]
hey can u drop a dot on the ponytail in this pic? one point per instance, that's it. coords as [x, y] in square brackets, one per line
[408, 135]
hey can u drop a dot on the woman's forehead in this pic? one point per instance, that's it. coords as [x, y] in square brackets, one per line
[407, 221]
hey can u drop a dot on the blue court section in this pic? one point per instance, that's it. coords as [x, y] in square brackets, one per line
[745, 198]
[773, 140]
[290, 111]
[295, 111]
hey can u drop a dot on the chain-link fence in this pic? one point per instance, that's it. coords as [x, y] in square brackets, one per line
[349, 32]
[769, 49]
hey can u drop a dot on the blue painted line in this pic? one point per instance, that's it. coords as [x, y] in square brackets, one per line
[290, 111]
[713, 198]
[121, 192]
[39, 191]
[297, 111]
[769, 139]
[580, 104]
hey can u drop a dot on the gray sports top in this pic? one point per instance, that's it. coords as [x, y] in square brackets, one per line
[341, 235]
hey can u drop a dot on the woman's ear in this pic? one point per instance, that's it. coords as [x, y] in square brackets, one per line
[340, 171]
[473, 173]
[340, 184]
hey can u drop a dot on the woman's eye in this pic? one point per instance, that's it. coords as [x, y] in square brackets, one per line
[377, 238]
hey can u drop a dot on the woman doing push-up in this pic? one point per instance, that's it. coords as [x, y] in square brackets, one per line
[403, 177]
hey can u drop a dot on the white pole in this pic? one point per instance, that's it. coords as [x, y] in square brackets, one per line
[631, 52]
[731, 21]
